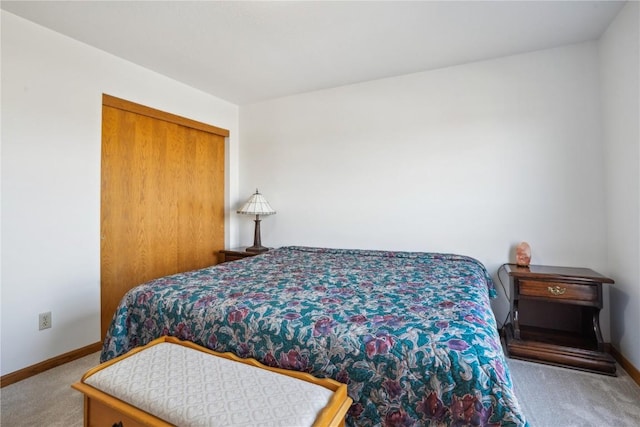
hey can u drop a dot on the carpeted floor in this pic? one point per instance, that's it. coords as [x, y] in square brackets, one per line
[557, 397]
[549, 396]
[47, 399]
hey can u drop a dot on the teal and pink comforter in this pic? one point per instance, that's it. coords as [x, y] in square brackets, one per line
[412, 334]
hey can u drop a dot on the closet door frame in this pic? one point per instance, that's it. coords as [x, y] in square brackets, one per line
[187, 219]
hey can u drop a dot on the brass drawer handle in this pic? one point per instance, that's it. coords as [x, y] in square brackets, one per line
[557, 290]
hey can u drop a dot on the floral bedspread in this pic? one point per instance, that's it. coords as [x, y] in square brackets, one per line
[412, 334]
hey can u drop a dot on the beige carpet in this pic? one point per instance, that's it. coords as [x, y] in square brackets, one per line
[557, 397]
[550, 397]
[46, 399]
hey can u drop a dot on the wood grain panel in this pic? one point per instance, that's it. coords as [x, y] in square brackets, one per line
[162, 195]
[99, 414]
[143, 110]
[203, 184]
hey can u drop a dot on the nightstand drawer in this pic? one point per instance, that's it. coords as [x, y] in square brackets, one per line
[227, 255]
[559, 290]
[230, 257]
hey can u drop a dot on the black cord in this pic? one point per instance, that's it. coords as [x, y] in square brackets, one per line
[507, 296]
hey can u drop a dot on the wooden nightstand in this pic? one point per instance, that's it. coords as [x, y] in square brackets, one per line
[234, 254]
[555, 317]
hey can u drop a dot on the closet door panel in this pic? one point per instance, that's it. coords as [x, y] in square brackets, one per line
[162, 201]
[201, 215]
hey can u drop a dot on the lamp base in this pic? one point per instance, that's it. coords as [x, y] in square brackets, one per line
[257, 249]
[257, 243]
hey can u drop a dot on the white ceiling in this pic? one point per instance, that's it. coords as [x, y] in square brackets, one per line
[246, 52]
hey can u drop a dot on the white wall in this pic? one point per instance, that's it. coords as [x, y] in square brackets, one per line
[620, 73]
[470, 159]
[52, 90]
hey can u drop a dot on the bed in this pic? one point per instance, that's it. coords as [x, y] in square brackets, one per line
[412, 334]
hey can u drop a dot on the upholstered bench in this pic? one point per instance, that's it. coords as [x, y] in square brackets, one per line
[172, 382]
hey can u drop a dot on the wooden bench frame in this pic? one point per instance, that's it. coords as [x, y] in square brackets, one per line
[99, 405]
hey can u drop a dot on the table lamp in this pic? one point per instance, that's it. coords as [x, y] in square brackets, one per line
[257, 205]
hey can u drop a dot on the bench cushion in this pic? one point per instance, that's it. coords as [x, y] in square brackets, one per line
[187, 387]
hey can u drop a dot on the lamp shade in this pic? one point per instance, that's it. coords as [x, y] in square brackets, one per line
[256, 205]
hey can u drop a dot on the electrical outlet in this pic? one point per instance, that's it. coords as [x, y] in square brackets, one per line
[44, 320]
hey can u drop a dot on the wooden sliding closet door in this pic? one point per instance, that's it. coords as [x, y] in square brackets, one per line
[162, 197]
